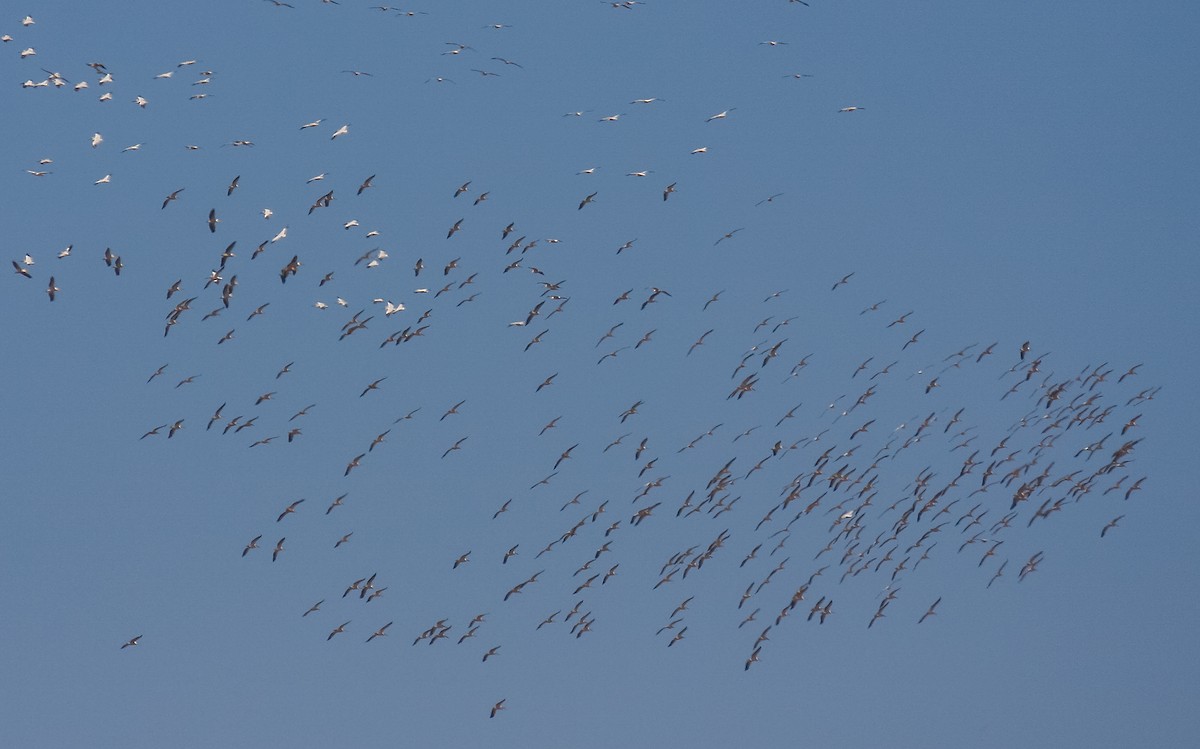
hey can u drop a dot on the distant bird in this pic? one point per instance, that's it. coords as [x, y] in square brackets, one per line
[132, 643]
[930, 612]
[289, 510]
[252, 545]
[172, 196]
[727, 235]
[1110, 525]
[497, 708]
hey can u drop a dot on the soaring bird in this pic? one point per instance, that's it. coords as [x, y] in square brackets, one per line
[172, 196]
[289, 510]
[252, 545]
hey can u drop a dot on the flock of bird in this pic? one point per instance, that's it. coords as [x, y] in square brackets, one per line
[833, 499]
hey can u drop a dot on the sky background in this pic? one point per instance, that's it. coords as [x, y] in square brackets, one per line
[1015, 173]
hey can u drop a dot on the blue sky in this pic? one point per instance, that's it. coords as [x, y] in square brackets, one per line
[1013, 174]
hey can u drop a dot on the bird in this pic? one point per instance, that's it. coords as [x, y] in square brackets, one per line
[497, 708]
[252, 545]
[1110, 525]
[456, 446]
[133, 642]
[340, 132]
[727, 235]
[278, 549]
[173, 196]
[337, 631]
[586, 200]
[930, 612]
[289, 510]
[452, 410]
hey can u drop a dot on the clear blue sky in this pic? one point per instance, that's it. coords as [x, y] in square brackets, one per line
[1012, 173]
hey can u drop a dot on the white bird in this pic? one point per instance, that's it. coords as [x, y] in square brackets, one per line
[134, 147]
[281, 235]
[28, 52]
[106, 96]
[97, 139]
[167, 74]
[28, 21]
[267, 213]
[141, 102]
[720, 115]
[850, 109]
[317, 178]
[340, 131]
[321, 305]
[314, 123]
[103, 180]
[702, 149]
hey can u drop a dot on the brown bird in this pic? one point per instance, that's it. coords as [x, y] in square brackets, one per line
[289, 510]
[931, 611]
